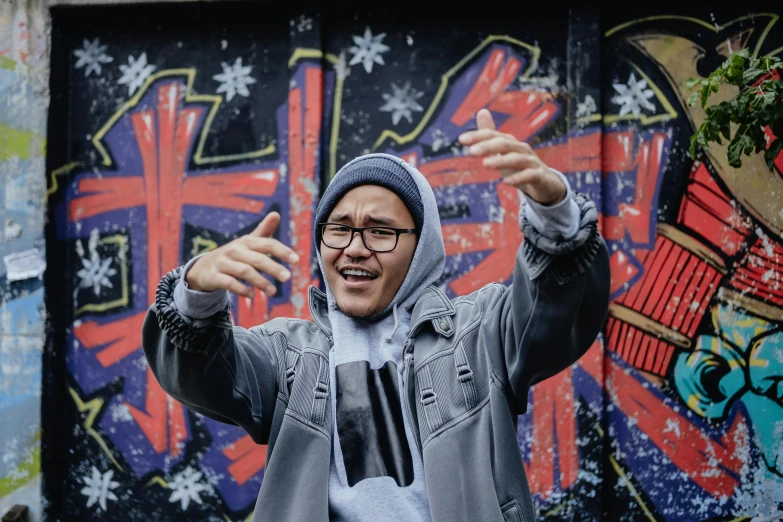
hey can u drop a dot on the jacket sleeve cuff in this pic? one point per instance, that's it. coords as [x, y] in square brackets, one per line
[565, 258]
[559, 221]
[185, 332]
[195, 304]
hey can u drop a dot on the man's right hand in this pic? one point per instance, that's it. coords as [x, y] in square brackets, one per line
[244, 258]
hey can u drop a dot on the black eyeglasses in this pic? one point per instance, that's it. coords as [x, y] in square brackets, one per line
[379, 239]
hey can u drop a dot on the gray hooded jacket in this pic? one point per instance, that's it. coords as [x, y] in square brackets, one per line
[462, 368]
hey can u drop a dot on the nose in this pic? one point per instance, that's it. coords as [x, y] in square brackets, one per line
[356, 247]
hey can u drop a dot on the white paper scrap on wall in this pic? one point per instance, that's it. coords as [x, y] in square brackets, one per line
[24, 265]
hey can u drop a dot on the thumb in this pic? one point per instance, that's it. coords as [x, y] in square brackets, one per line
[484, 120]
[267, 226]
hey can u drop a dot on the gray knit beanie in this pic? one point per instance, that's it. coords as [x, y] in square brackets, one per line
[370, 170]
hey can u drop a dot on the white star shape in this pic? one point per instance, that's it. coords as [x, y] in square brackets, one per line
[234, 79]
[186, 487]
[98, 488]
[402, 102]
[135, 73]
[633, 96]
[586, 108]
[368, 49]
[92, 55]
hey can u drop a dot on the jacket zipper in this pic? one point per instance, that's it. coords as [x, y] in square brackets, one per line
[407, 361]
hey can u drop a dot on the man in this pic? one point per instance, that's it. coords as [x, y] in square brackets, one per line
[395, 403]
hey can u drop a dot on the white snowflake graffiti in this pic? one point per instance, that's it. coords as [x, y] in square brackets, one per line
[304, 24]
[368, 50]
[98, 488]
[135, 73]
[186, 487]
[234, 79]
[633, 96]
[95, 271]
[672, 426]
[91, 56]
[402, 102]
[586, 108]
[120, 413]
[440, 140]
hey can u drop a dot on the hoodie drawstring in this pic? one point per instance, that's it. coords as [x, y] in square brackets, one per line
[396, 324]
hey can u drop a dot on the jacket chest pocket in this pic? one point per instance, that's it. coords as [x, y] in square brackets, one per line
[450, 385]
[309, 397]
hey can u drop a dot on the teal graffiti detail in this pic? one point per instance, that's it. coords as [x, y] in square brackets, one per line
[742, 362]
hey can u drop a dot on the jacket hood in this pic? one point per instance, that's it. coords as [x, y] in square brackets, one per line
[429, 258]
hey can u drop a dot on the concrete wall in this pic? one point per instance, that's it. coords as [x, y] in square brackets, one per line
[677, 411]
[23, 104]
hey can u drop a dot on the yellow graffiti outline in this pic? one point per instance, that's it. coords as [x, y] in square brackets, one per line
[229, 519]
[65, 169]
[92, 407]
[157, 480]
[772, 16]
[214, 99]
[753, 360]
[619, 470]
[560, 507]
[199, 241]
[589, 119]
[337, 107]
[123, 300]
[444, 84]
[631, 489]
[303, 53]
[667, 105]
[670, 113]
[190, 73]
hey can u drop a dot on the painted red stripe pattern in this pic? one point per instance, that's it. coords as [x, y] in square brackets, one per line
[760, 275]
[652, 355]
[248, 458]
[165, 135]
[709, 210]
[493, 79]
[633, 219]
[554, 421]
[674, 291]
[673, 432]
[305, 110]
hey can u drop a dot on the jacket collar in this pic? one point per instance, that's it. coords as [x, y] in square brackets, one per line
[319, 309]
[432, 304]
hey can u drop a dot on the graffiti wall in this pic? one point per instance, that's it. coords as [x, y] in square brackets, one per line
[23, 95]
[168, 139]
[694, 346]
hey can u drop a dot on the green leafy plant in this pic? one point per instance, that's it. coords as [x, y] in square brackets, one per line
[758, 105]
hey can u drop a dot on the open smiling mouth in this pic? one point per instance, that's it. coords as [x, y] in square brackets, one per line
[353, 275]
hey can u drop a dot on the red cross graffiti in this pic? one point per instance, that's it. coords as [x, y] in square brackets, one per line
[165, 136]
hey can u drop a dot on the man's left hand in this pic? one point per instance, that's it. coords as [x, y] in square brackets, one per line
[516, 161]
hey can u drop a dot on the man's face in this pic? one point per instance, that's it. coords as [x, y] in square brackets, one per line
[363, 296]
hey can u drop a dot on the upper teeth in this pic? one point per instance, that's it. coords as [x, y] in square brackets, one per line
[353, 271]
